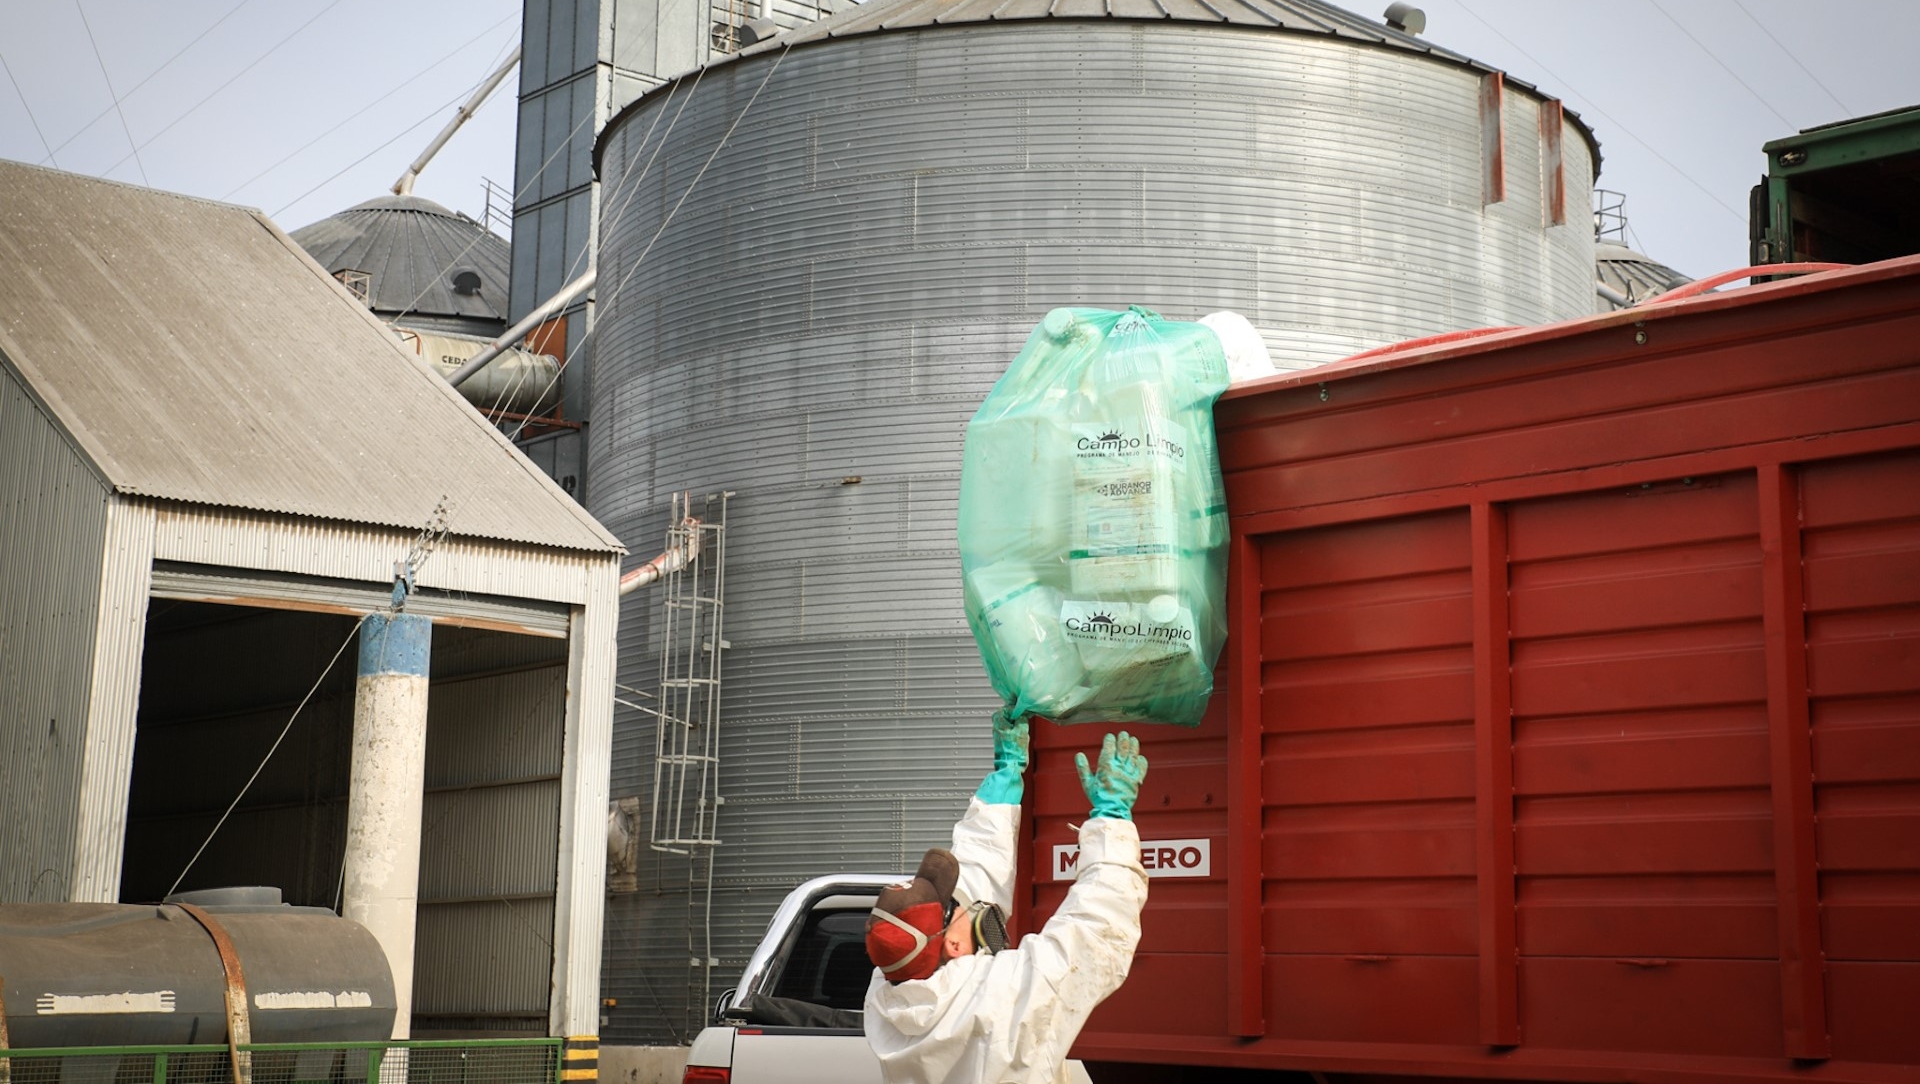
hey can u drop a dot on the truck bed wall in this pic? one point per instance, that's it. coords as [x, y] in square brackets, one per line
[1569, 728]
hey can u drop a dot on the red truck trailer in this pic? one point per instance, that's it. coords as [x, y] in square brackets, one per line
[1569, 727]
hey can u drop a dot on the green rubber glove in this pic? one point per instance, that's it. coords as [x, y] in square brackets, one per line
[1004, 785]
[1115, 783]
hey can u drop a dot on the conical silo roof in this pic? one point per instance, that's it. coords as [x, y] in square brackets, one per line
[1636, 276]
[1309, 17]
[423, 259]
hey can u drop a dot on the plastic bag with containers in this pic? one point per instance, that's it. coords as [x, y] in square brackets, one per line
[1093, 523]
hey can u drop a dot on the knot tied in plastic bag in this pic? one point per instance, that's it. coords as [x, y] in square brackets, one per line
[1093, 523]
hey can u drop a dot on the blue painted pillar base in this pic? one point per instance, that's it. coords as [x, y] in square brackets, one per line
[395, 644]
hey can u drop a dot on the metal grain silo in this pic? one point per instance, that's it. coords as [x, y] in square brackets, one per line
[815, 258]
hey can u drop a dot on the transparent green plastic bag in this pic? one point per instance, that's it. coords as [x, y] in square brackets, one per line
[1093, 524]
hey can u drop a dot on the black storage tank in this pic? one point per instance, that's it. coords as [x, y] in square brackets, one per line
[92, 974]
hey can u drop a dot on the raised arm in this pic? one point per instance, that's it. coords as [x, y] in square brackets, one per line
[1086, 948]
[985, 839]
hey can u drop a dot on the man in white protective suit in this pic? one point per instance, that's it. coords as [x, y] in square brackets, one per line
[950, 1001]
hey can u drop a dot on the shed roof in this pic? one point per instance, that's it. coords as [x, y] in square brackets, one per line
[412, 248]
[193, 352]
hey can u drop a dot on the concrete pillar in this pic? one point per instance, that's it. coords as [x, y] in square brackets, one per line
[385, 795]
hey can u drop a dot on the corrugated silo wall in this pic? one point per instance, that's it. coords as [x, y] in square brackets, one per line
[854, 269]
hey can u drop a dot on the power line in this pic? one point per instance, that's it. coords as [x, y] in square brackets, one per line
[408, 130]
[667, 219]
[1755, 20]
[102, 61]
[458, 256]
[1598, 112]
[619, 215]
[494, 411]
[23, 104]
[363, 109]
[1711, 55]
[131, 91]
[236, 75]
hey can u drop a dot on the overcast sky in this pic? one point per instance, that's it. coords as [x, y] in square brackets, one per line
[305, 107]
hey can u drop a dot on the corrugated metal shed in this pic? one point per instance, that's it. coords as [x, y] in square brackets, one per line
[194, 353]
[50, 569]
[414, 249]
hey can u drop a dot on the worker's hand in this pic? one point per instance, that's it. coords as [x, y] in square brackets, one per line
[1004, 785]
[1010, 740]
[1113, 786]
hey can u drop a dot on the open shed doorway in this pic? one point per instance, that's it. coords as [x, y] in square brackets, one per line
[219, 684]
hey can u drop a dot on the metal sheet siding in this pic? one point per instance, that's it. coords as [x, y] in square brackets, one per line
[201, 584]
[1582, 710]
[162, 329]
[490, 842]
[54, 522]
[119, 631]
[490, 828]
[580, 893]
[487, 959]
[823, 313]
[233, 538]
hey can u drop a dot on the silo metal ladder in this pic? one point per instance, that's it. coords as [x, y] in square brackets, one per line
[686, 769]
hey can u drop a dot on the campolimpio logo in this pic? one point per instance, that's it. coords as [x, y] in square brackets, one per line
[1103, 626]
[1110, 440]
[1115, 441]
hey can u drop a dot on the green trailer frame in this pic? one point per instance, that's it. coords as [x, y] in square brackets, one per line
[1847, 192]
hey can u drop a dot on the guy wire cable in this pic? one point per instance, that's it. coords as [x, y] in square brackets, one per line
[574, 268]
[667, 219]
[231, 806]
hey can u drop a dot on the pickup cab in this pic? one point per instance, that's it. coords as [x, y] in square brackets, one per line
[794, 1017]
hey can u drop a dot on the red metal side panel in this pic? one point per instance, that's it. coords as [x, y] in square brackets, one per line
[1861, 540]
[1368, 781]
[1642, 812]
[1178, 984]
[1576, 713]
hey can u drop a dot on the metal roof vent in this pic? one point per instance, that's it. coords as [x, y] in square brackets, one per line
[757, 30]
[359, 283]
[466, 281]
[1406, 18]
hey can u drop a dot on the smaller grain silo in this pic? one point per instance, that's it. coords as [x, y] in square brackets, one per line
[439, 279]
[816, 257]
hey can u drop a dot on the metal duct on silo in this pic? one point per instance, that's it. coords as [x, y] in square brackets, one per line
[823, 311]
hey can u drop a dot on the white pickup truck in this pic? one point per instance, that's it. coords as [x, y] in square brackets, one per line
[794, 1018]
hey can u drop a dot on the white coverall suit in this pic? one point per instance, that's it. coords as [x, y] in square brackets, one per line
[1009, 1018]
